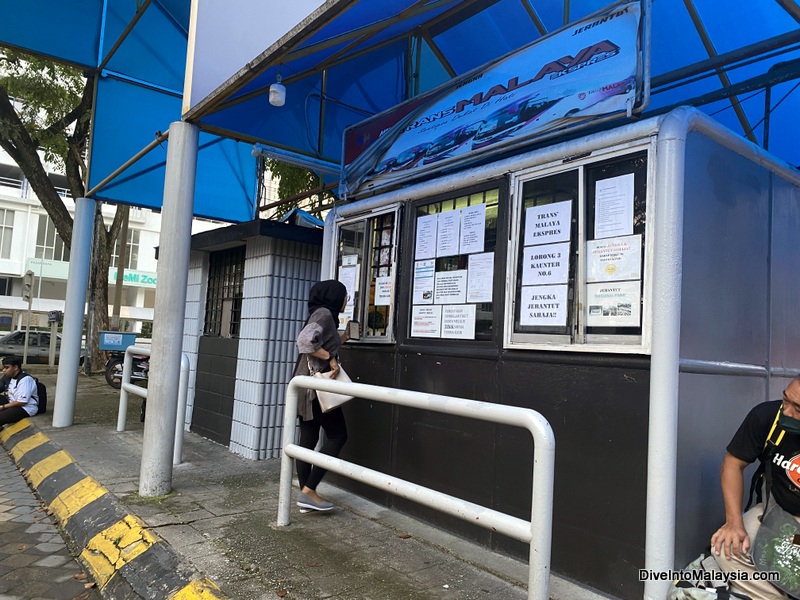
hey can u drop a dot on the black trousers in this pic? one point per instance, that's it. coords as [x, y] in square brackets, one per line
[335, 428]
[12, 415]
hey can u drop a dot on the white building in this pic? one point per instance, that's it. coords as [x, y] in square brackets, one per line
[28, 241]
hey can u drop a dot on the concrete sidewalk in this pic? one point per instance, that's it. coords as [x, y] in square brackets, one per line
[220, 522]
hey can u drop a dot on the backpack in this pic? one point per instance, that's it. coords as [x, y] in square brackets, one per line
[41, 392]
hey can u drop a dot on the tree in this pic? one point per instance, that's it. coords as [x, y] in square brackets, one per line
[293, 181]
[48, 106]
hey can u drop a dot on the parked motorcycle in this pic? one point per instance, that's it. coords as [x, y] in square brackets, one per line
[140, 368]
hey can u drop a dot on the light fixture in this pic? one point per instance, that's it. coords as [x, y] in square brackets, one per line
[277, 93]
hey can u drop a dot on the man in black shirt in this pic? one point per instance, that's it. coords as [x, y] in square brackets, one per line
[732, 542]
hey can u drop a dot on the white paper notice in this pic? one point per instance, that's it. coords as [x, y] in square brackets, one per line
[349, 259]
[423, 281]
[543, 306]
[613, 304]
[383, 291]
[473, 228]
[545, 264]
[548, 223]
[447, 233]
[613, 207]
[450, 287]
[481, 277]
[614, 259]
[426, 321]
[426, 237]
[458, 322]
[348, 275]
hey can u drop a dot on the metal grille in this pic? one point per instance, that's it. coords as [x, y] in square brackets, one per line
[224, 298]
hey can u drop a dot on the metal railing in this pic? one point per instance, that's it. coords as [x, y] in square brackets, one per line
[129, 388]
[537, 532]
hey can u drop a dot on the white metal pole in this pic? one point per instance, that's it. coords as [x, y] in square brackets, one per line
[74, 309]
[173, 270]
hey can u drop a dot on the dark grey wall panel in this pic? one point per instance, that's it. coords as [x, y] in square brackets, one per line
[214, 388]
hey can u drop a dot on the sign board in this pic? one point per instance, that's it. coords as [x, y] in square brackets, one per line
[589, 69]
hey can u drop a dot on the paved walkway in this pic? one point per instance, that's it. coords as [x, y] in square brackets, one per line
[35, 563]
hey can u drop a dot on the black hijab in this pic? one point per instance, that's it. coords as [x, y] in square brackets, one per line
[328, 294]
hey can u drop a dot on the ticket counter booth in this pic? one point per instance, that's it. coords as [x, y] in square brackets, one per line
[637, 286]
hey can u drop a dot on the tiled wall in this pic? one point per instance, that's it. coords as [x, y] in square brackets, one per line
[278, 276]
[197, 285]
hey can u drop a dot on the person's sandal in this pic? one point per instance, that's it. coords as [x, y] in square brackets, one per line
[306, 504]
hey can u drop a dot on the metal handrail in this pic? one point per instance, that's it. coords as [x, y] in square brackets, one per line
[129, 388]
[537, 532]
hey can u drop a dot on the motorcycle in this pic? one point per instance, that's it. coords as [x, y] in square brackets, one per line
[140, 368]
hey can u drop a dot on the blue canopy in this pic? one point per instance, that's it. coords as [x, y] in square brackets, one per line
[350, 59]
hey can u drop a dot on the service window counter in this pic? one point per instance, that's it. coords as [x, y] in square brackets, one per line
[635, 286]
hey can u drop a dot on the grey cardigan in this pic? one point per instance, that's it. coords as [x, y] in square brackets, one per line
[321, 331]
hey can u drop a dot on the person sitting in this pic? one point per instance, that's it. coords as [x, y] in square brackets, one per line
[23, 399]
[733, 541]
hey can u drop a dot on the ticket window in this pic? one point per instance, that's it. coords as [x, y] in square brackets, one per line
[453, 270]
[366, 265]
[577, 259]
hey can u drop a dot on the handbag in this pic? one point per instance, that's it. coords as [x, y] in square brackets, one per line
[330, 400]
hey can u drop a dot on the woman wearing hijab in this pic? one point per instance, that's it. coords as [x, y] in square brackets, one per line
[319, 342]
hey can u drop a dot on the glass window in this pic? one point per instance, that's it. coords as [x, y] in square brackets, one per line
[49, 244]
[578, 241]
[131, 252]
[453, 273]
[6, 231]
[224, 297]
[366, 259]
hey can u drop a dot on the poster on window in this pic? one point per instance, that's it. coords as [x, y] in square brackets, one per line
[383, 291]
[423, 281]
[447, 233]
[450, 287]
[613, 304]
[481, 277]
[426, 321]
[613, 207]
[348, 275]
[614, 259]
[543, 306]
[426, 237]
[542, 265]
[458, 322]
[473, 229]
[548, 223]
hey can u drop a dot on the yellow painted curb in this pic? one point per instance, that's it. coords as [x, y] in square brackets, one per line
[46, 467]
[28, 444]
[111, 549]
[13, 428]
[74, 498]
[203, 589]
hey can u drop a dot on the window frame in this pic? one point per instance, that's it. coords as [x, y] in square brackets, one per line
[577, 340]
[361, 303]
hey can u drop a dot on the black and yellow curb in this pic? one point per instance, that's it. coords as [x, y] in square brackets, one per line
[125, 557]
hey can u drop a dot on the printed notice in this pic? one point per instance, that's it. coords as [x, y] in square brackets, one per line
[450, 287]
[383, 291]
[614, 259]
[613, 207]
[543, 306]
[447, 233]
[613, 304]
[458, 322]
[423, 281]
[473, 229]
[548, 223]
[348, 275]
[545, 264]
[481, 277]
[426, 237]
[349, 260]
[426, 321]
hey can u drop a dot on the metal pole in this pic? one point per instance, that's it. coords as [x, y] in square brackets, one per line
[173, 270]
[74, 308]
[27, 331]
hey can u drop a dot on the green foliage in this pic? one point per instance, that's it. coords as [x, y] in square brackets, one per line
[293, 180]
[48, 92]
